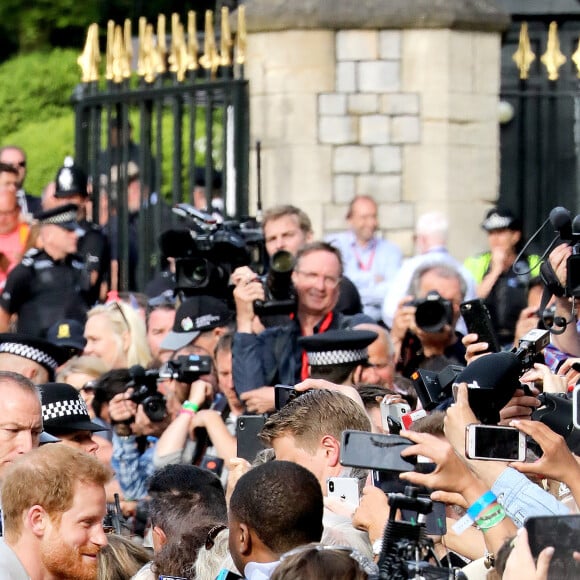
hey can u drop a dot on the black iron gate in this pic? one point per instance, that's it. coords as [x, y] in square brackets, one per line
[540, 120]
[144, 138]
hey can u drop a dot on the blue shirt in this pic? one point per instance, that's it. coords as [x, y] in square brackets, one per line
[132, 469]
[379, 259]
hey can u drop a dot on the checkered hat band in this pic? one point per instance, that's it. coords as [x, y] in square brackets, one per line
[29, 352]
[496, 222]
[70, 408]
[63, 218]
[336, 357]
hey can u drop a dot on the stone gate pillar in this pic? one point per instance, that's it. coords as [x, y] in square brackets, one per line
[394, 99]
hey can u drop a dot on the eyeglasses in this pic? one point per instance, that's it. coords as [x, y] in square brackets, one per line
[212, 535]
[89, 387]
[116, 306]
[366, 565]
[313, 277]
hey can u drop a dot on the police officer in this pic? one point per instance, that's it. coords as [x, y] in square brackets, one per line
[49, 284]
[93, 245]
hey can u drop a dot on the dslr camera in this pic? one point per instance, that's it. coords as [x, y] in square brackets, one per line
[186, 368]
[145, 393]
[433, 312]
[280, 296]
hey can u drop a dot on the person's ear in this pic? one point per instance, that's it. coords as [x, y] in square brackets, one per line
[36, 520]
[245, 539]
[331, 448]
[159, 538]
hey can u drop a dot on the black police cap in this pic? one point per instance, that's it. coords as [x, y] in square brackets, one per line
[70, 180]
[337, 346]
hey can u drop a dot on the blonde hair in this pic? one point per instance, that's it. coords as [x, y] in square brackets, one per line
[123, 318]
[87, 365]
[121, 558]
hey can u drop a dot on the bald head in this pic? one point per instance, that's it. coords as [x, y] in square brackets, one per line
[381, 363]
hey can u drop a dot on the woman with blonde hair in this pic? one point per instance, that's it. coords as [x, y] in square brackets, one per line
[116, 334]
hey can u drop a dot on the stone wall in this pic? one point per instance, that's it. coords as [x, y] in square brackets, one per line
[407, 115]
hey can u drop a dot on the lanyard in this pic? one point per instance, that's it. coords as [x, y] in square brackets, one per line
[361, 265]
[326, 322]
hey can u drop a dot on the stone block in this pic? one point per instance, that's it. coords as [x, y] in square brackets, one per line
[284, 119]
[435, 132]
[425, 58]
[362, 104]
[346, 77]
[390, 44]
[383, 188]
[472, 107]
[331, 104]
[461, 62]
[487, 55]
[404, 238]
[333, 217]
[405, 130]
[387, 159]
[337, 130]
[374, 130]
[351, 159]
[474, 134]
[379, 76]
[343, 188]
[425, 172]
[396, 215]
[400, 104]
[357, 45]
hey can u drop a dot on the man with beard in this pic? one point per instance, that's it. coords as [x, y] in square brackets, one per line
[48, 534]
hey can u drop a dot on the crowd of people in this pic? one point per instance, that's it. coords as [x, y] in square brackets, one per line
[179, 434]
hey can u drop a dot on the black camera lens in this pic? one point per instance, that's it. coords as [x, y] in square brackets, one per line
[331, 486]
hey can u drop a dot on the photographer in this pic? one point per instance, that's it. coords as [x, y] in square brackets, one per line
[182, 441]
[423, 327]
[274, 356]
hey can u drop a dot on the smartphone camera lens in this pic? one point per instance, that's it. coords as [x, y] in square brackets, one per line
[331, 486]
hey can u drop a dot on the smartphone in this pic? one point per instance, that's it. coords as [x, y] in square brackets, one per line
[344, 488]
[492, 442]
[393, 410]
[375, 451]
[435, 521]
[575, 403]
[283, 394]
[478, 319]
[562, 533]
[248, 427]
[389, 482]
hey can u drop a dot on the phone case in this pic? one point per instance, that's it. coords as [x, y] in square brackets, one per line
[248, 427]
[488, 438]
[477, 319]
[344, 488]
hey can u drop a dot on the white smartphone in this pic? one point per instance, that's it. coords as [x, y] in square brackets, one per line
[394, 410]
[344, 488]
[495, 443]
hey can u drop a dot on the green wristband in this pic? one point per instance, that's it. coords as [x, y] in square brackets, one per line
[189, 406]
[494, 517]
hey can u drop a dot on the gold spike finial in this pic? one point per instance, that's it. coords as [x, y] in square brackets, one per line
[142, 48]
[553, 58]
[192, 45]
[210, 59]
[226, 40]
[110, 39]
[524, 56]
[178, 55]
[91, 56]
[127, 49]
[118, 55]
[576, 59]
[241, 35]
[161, 57]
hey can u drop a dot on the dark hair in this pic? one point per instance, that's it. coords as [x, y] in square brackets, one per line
[108, 385]
[282, 502]
[431, 424]
[337, 373]
[279, 211]
[186, 502]
[320, 247]
[224, 343]
[372, 395]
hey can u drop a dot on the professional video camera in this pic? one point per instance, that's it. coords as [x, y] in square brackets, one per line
[407, 551]
[186, 368]
[433, 312]
[145, 393]
[280, 296]
[433, 388]
[207, 252]
[557, 412]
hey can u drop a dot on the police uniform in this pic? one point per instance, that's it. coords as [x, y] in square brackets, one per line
[93, 244]
[42, 290]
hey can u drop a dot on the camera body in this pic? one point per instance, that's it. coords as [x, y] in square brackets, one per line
[145, 393]
[433, 312]
[186, 368]
[279, 292]
[433, 387]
